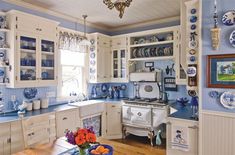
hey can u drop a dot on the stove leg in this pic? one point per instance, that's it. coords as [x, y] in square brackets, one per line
[150, 136]
[123, 132]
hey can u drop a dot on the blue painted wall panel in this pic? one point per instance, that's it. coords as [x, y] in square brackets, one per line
[225, 47]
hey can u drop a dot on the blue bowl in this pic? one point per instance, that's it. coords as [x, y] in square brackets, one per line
[105, 146]
[182, 100]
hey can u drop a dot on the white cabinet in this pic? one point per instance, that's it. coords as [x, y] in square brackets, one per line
[39, 129]
[16, 137]
[119, 63]
[5, 139]
[113, 121]
[68, 119]
[33, 59]
[99, 58]
[192, 127]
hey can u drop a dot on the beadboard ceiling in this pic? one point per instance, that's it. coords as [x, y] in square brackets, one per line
[139, 12]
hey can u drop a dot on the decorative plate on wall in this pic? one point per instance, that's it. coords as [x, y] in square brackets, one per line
[227, 99]
[232, 38]
[30, 93]
[229, 18]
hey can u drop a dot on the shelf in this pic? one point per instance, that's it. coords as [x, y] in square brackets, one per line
[28, 67]
[4, 48]
[28, 51]
[4, 30]
[152, 58]
[48, 68]
[47, 53]
[154, 43]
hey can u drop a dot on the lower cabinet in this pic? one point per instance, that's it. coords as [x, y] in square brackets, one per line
[5, 139]
[191, 127]
[113, 121]
[68, 119]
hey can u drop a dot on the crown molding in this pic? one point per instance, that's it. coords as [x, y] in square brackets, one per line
[80, 21]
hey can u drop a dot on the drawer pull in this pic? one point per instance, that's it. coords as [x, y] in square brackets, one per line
[168, 123]
[193, 127]
[65, 118]
[113, 106]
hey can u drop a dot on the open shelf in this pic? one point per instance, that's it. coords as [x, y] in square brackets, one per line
[27, 51]
[47, 53]
[153, 43]
[4, 30]
[153, 58]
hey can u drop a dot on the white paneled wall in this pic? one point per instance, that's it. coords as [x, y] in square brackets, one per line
[218, 134]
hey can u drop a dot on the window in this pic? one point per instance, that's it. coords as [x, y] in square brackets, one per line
[72, 80]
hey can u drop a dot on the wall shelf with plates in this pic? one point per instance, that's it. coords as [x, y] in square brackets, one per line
[158, 44]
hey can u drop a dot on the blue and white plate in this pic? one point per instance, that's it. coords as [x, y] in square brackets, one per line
[227, 99]
[232, 38]
[193, 19]
[191, 71]
[229, 18]
[193, 11]
[193, 26]
[214, 94]
[30, 93]
[2, 72]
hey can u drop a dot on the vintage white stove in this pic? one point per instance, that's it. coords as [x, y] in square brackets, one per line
[143, 114]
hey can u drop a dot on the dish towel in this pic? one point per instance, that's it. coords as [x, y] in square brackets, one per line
[180, 138]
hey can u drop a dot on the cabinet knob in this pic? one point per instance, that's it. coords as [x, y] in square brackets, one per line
[8, 140]
[113, 106]
[65, 118]
[193, 127]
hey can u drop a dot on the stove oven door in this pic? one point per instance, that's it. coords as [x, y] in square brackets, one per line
[141, 116]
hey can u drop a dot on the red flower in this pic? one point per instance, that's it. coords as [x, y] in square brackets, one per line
[82, 131]
[80, 139]
[91, 138]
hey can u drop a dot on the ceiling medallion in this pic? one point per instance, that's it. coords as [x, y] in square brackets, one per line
[120, 5]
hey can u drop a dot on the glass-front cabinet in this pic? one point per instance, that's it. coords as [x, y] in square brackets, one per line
[119, 68]
[35, 61]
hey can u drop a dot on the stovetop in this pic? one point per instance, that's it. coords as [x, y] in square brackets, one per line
[145, 101]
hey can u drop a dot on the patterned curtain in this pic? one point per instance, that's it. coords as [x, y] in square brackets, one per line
[70, 41]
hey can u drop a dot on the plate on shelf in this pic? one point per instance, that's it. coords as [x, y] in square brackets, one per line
[227, 99]
[228, 18]
[2, 72]
[141, 41]
[232, 38]
[191, 71]
[142, 52]
[147, 52]
[134, 53]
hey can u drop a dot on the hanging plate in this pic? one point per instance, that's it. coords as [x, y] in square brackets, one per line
[232, 38]
[228, 18]
[227, 99]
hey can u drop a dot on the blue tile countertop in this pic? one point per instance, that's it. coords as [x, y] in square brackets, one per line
[8, 117]
[182, 112]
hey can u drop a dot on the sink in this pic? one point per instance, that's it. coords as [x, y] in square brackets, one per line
[89, 107]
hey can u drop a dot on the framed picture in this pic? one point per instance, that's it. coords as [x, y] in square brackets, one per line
[221, 71]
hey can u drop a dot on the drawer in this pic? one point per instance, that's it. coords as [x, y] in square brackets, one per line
[91, 109]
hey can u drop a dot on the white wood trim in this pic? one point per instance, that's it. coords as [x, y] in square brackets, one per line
[218, 113]
[80, 21]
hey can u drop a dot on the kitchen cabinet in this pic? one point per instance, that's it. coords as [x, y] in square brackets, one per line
[99, 58]
[113, 121]
[5, 139]
[16, 137]
[180, 74]
[33, 60]
[119, 63]
[39, 129]
[68, 119]
[192, 136]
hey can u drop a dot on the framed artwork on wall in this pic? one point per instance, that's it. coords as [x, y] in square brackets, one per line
[221, 71]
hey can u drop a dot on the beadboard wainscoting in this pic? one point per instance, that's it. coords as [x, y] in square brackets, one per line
[218, 133]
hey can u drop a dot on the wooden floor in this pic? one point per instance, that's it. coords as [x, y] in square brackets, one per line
[133, 145]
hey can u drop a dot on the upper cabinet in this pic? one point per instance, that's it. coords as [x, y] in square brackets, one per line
[99, 58]
[159, 44]
[119, 63]
[33, 60]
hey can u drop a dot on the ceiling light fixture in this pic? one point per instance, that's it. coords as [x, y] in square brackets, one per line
[120, 5]
[85, 41]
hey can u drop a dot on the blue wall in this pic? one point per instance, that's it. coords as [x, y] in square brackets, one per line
[225, 47]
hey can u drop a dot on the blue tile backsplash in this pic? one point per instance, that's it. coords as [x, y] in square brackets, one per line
[18, 92]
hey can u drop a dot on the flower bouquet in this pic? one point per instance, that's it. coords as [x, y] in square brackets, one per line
[83, 138]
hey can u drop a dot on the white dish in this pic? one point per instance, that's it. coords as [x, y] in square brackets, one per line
[227, 99]
[193, 44]
[232, 38]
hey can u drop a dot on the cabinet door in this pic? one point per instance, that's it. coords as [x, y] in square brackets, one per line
[115, 64]
[5, 139]
[27, 23]
[193, 137]
[47, 28]
[66, 120]
[119, 42]
[26, 59]
[113, 120]
[48, 59]
[123, 63]
[16, 137]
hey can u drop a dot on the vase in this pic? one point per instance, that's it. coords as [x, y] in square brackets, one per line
[82, 151]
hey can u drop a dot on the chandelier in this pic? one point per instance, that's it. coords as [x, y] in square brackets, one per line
[120, 5]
